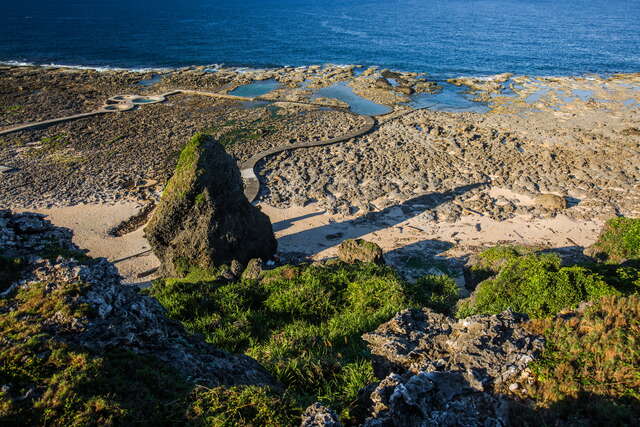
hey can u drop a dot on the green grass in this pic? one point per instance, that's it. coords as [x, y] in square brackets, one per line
[302, 323]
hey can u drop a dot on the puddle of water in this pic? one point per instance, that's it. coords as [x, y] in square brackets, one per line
[358, 71]
[155, 78]
[255, 89]
[631, 101]
[357, 104]
[451, 99]
[537, 95]
[583, 94]
[393, 82]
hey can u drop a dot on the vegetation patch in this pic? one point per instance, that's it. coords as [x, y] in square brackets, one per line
[302, 323]
[589, 372]
[536, 285]
[47, 381]
[619, 241]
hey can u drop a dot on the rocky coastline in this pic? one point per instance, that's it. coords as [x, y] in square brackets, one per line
[424, 272]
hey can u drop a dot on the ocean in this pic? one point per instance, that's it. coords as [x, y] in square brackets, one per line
[442, 37]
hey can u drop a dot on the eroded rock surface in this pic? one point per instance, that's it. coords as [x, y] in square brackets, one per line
[437, 370]
[318, 415]
[203, 218]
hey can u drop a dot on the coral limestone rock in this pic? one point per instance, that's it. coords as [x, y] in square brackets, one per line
[203, 218]
[551, 202]
[354, 250]
[437, 370]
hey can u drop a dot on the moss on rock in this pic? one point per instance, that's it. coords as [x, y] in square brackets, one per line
[203, 219]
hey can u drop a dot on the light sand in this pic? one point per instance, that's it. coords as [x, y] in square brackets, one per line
[311, 231]
[90, 224]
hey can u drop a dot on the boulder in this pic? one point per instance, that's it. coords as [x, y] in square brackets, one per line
[318, 415]
[203, 218]
[433, 399]
[359, 250]
[489, 351]
[550, 202]
[437, 370]
[253, 270]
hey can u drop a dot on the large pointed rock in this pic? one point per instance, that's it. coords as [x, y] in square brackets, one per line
[203, 218]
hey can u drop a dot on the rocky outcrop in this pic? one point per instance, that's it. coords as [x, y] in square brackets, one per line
[359, 250]
[433, 399]
[27, 234]
[318, 415]
[203, 218]
[106, 315]
[437, 370]
[551, 202]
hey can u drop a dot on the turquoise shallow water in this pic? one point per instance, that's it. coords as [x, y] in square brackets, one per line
[444, 37]
[255, 89]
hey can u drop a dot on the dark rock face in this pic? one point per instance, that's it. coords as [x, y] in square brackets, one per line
[119, 317]
[318, 415]
[358, 250]
[203, 218]
[437, 370]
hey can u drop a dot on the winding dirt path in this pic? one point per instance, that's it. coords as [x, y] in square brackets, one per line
[247, 168]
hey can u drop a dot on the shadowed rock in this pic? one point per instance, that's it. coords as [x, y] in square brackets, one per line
[204, 218]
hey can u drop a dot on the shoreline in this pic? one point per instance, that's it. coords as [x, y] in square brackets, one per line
[251, 68]
[423, 184]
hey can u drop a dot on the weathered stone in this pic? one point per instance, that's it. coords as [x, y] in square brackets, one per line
[488, 350]
[359, 250]
[318, 415]
[203, 218]
[434, 399]
[441, 371]
[253, 270]
[551, 202]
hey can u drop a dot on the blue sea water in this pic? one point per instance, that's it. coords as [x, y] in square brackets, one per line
[442, 37]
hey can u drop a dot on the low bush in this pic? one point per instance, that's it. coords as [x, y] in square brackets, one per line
[589, 372]
[536, 285]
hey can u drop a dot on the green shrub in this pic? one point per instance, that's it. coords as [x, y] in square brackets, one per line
[619, 241]
[489, 262]
[588, 373]
[303, 323]
[536, 285]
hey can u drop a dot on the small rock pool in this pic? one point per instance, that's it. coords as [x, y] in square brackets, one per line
[255, 89]
[357, 104]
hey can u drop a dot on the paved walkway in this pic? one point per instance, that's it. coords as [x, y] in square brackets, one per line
[121, 103]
